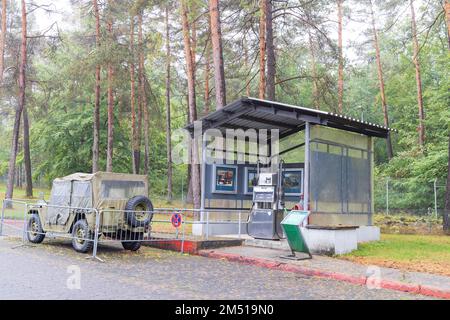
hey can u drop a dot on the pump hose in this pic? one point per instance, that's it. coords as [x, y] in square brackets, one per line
[248, 219]
[276, 227]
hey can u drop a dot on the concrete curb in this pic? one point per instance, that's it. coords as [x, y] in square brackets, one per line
[191, 246]
[359, 280]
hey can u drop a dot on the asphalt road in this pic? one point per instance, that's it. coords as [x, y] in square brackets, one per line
[52, 270]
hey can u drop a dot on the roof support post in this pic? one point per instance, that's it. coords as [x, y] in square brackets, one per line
[203, 178]
[307, 166]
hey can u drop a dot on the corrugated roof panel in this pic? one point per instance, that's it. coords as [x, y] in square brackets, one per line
[265, 114]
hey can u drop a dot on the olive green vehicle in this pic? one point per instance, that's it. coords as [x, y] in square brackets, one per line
[120, 200]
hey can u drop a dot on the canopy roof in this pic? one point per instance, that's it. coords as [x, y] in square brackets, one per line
[251, 113]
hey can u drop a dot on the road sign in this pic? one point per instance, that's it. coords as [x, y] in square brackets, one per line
[176, 220]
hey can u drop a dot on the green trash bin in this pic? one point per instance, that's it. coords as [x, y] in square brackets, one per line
[291, 227]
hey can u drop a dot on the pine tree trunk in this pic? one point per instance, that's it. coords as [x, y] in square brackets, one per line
[19, 166]
[140, 111]
[418, 77]
[144, 106]
[134, 138]
[168, 120]
[195, 174]
[17, 178]
[20, 106]
[18, 169]
[216, 39]
[140, 115]
[271, 71]
[389, 150]
[341, 61]
[143, 95]
[262, 50]
[314, 71]
[189, 193]
[206, 96]
[96, 135]
[194, 45]
[208, 54]
[109, 151]
[446, 224]
[2, 41]
[247, 82]
[447, 14]
[146, 131]
[26, 153]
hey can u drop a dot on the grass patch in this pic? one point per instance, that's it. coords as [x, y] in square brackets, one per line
[161, 224]
[19, 193]
[422, 253]
[17, 211]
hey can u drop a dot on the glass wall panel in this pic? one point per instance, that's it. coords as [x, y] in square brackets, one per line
[340, 176]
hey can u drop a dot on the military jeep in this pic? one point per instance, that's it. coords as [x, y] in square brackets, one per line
[125, 211]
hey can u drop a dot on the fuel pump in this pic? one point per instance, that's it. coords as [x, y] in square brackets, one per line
[268, 205]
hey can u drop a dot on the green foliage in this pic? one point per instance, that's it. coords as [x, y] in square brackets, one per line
[60, 92]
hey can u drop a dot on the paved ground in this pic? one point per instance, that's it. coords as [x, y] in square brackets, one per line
[343, 266]
[48, 271]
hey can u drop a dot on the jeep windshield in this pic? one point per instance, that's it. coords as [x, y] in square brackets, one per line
[114, 189]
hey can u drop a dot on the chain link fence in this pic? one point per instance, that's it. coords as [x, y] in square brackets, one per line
[409, 196]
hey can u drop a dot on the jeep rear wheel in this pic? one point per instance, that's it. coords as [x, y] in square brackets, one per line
[35, 233]
[82, 238]
[130, 244]
[138, 211]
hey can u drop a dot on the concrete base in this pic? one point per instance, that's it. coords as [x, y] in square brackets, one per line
[198, 229]
[219, 229]
[367, 234]
[323, 241]
[271, 244]
[191, 246]
[320, 241]
[330, 241]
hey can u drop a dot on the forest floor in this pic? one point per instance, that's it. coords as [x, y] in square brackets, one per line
[408, 224]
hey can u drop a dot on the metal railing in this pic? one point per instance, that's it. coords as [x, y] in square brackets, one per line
[105, 226]
[20, 222]
[239, 218]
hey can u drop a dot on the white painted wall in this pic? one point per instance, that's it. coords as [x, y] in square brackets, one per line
[321, 241]
[368, 233]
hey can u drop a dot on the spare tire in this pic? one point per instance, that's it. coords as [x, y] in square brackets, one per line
[132, 208]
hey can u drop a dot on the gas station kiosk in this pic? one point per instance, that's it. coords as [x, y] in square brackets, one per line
[322, 158]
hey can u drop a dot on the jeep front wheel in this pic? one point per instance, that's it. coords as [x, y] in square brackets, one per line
[82, 238]
[35, 233]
